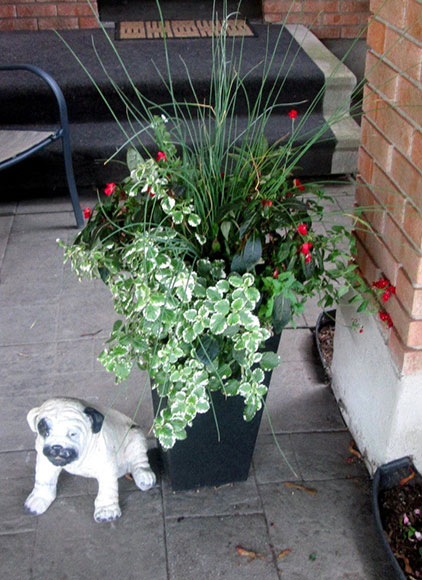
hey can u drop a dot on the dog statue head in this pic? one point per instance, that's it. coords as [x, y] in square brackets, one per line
[64, 426]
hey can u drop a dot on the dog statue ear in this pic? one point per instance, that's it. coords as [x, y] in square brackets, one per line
[96, 417]
[32, 418]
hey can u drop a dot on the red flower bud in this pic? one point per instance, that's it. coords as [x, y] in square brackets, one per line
[302, 229]
[387, 295]
[297, 183]
[308, 258]
[276, 273]
[292, 114]
[161, 156]
[381, 283]
[306, 247]
[87, 213]
[385, 317]
[110, 188]
[267, 202]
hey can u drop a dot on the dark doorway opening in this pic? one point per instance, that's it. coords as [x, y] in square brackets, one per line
[122, 10]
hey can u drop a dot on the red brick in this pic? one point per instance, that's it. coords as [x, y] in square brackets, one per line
[406, 175]
[73, 9]
[365, 165]
[409, 295]
[409, 329]
[7, 11]
[413, 19]
[408, 360]
[88, 22]
[390, 10]
[376, 35]
[316, 6]
[276, 17]
[28, 10]
[358, 31]
[58, 23]
[368, 268]
[389, 195]
[382, 76]
[405, 54]
[306, 19]
[416, 154]
[341, 19]
[272, 6]
[371, 102]
[367, 201]
[355, 6]
[409, 99]
[376, 144]
[413, 223]
[326, 31]
[381, 255]
[19, 24]
[395, 126]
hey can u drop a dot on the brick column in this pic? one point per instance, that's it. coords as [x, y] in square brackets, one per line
[326, 18]
[46, 14]
[391, 170]
[377, 374]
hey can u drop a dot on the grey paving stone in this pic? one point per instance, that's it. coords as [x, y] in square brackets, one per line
[206, 548]
[8, 208]
[270, 465]
[325, 455]
[33, 228]
[16, 555]
[336, 525]
[5, 227]
[13, 494]
[26, 367]
[27, 324]
[296, 402]
[296, 344]
[132, 547]
[232, 499]
[15, 434]
[74, 355]
[86, 311]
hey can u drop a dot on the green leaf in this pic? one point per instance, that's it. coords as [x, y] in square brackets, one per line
[194, 220]
[208, 350]
[269, 361]
[282, 313]
[152, 313]
[225, 229]
[133, 159]
[249, 257]
[231, 387]
[218, 324]
[249, 412]
[222, 307]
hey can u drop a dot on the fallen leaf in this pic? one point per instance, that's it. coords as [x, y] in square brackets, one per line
[92, 333]
[249, 553]
[354, 451]
[408, 478]
[129, 476]
[284, 553]
[300, 487]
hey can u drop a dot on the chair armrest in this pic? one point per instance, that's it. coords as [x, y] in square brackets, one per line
[52, 84]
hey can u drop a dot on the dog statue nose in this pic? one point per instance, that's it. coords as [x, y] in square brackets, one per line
[56, 449]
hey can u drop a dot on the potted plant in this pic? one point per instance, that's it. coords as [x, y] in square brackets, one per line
[397, 505]
[208, 250]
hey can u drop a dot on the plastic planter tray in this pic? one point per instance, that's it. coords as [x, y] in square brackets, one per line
[326, 318]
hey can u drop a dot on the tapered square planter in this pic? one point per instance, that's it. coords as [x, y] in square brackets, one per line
[211, 456]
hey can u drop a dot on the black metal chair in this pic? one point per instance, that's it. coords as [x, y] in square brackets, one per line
[17, 145]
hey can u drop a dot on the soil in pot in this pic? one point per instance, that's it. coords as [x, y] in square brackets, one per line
[401, 516]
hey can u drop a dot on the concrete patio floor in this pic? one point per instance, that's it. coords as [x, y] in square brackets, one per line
[51, 331]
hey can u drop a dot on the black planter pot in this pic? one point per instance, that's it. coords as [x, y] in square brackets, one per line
[202, 459]
[386, 477]
[326, 318]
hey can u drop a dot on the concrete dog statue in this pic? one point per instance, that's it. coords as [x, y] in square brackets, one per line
[73, 436]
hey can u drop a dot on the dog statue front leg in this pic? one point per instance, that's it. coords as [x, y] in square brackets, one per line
[107, 506]
[45, 488]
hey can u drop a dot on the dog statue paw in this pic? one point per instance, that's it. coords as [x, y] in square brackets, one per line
[73, 436]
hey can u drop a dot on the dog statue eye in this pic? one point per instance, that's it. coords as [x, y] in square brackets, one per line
[73, 434]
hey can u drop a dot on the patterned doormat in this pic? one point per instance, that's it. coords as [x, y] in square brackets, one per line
[152, 29]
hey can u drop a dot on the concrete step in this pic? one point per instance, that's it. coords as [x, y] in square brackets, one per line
[302, 66]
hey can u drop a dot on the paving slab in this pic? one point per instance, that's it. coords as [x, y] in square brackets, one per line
[16, 555]
[206, 548]
[275, 460]
[132, 547]
[296, 402]
[28, 324]
[331, 534]
[26, 368]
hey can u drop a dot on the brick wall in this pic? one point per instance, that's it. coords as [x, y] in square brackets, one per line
[46, 14]
[391, 170]
[326, 18]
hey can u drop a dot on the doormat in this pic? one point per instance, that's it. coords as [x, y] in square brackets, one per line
[152, 29]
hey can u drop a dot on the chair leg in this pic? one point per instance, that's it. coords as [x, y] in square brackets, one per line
[71, 180]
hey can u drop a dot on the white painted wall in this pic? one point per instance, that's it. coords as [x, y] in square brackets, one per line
[382, 409]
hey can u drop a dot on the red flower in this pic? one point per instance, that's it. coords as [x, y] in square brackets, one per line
[381, 283]
[308, 258]
[276, 273]
[385, 317]
[265, 202]
[292, 114]
[306, 248]
[151, 193]
[387, 295]
[222, 174]
[87, 212]
[297, 183]
[392, 289]
[110, 188]
[161, 156]
[302, 229]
